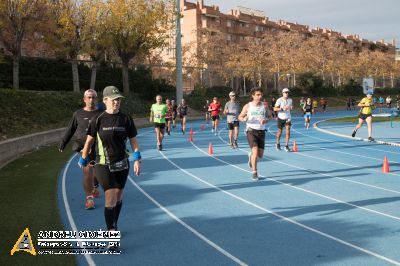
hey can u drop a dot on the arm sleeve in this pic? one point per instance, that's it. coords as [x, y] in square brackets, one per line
[73, 124]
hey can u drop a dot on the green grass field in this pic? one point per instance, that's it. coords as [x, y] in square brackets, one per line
[28, 188]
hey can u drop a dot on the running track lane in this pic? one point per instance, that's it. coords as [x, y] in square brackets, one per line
[327, 204]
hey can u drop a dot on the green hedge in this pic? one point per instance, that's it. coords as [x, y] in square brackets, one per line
[25, 112]
[56, 75]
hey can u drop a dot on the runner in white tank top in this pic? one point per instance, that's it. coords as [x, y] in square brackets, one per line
[255, 116]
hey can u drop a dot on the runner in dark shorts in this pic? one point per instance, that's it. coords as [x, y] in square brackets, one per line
[112, 129]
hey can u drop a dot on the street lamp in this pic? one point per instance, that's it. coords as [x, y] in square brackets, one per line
[288, 79]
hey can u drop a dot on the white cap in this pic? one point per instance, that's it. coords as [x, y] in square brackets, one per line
[285, 90]
[232, 93]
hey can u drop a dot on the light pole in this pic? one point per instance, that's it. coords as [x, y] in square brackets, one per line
[288, 79]
[178, 56]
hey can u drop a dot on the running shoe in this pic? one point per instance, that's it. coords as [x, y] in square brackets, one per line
[278, 147]
[95, 192]
[353, 134]
[287, 148]
[249, 162]
[212, 130]
[160, 147]
[169, 132]
[235, 144]
[231, 145]
[255, 176]
[370, 139]
[89, 204]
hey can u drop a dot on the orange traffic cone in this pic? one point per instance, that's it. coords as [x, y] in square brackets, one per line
[191, 135]
[385, 166]
[294, 147]
[210, 149]
[202, 127]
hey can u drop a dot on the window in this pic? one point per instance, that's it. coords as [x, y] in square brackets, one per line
[229, 23]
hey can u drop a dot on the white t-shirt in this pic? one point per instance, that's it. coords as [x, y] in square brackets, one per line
[281, 102]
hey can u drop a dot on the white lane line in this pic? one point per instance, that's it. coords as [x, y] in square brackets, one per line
[315, 125]
[299, 188]
[349, 145]
[71, 221]
[352, 154]
[392, 261]
[332, 176]
[188, 227]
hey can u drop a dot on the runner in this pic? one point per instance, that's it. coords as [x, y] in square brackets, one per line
[182, 112]
[307, 113]
[78, 126]
[315, 106]
[168, 115]
[348, 104]
[231, 110]
[273, 101]
[174, 112]
[283, 106]
[388, 102]
[215, 109]
[111, 129]
[255, 115]
[381, 100]
[157, 115]
[206, 112]
[365, 114]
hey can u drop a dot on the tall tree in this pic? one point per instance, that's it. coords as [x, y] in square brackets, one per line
[70, 19]
[18, 17]
[94, 35]
[135, 27]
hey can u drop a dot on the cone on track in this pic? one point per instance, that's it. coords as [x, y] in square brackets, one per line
[385, 166]
[202, 127]
[191, 135]
[295, 147]
[210, 149]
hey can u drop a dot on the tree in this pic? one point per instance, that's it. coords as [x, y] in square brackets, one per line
[18, 18]
[134, 27]
[70, 21]
[94, 35]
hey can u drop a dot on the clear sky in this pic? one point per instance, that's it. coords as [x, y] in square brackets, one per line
[371, 19]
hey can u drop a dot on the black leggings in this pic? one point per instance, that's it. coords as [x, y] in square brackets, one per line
[109, 179]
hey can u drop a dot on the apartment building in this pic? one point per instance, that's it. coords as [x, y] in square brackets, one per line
[241, 24]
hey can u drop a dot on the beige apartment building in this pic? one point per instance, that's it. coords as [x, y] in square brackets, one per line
[242, 24]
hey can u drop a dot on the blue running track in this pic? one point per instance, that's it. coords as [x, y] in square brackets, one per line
[327, 204]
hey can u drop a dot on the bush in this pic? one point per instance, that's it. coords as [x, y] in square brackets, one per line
[351, 88]
[56, 75]
[387, 91]
[25, 112]
[309, 84]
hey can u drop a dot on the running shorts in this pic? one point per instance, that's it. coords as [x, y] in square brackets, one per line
[233, 125]
[256, 138]
[109, 179]
[281, 123]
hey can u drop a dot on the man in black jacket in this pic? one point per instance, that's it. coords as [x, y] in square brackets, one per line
[78, 126]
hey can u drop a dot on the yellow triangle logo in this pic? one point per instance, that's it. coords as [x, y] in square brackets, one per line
[24, 243]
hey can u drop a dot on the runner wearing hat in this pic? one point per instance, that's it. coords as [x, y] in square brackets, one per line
[231, 110]
[112, 129]
[365, 114]
[215, 109]
[283, 106]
